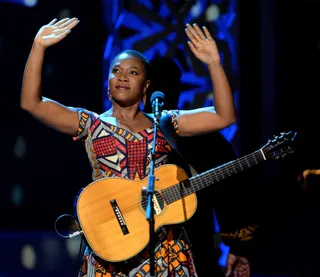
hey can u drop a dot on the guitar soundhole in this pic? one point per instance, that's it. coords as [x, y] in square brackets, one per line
[158, 202]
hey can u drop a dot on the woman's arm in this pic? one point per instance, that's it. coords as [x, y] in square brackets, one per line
[223, 114]
[51, 113]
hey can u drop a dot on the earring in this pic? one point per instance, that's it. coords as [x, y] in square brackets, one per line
[144, 96]
[109, 94]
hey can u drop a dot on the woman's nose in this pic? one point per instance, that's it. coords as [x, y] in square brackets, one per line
[123, 78]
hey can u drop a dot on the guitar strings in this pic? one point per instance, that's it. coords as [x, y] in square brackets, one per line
[208, 176]
[242, 163]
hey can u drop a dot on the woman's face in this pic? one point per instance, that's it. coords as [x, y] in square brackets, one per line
[127, 80]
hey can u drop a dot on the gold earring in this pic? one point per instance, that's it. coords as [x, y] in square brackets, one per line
[109, 94]
[144, 99]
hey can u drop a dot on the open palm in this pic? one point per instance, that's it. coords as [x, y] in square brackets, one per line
[55, 31]
[202, 44]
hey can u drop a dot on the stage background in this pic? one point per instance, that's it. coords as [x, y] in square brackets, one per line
[270, 50]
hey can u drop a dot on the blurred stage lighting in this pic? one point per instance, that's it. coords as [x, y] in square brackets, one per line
[212, 13]
[51, 250]
[64, 13]
[73, 246]
[27, 3]
[17, 195]
[196, 9]
[20, 148]
[223, 247]
[28, 257]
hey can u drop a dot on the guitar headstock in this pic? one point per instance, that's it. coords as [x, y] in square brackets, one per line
[279, 146]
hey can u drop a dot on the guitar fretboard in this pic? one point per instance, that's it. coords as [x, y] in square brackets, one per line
[211, 177]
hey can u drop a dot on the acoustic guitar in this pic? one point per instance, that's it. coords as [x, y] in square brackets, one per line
[112, 211]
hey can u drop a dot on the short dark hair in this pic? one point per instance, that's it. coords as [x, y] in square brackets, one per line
[138, 55]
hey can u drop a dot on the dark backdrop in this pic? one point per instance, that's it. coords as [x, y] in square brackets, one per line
[48, 168]
[280, 91]
[42, 170]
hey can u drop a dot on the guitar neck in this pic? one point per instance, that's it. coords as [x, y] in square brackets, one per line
[211, 177]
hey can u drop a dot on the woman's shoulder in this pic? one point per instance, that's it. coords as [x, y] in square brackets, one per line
[87, 113]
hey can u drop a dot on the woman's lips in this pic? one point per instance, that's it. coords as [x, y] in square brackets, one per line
[122, 87]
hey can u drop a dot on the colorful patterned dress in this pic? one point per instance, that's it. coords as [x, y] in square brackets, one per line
[116, 152]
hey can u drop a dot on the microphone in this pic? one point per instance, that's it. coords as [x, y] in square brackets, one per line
[157, 99]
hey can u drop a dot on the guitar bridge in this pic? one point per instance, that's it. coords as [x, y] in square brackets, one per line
[119, 216]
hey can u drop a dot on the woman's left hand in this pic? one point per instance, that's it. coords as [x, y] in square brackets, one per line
[202, 44]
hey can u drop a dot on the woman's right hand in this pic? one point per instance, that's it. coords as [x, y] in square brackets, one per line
[55, 31]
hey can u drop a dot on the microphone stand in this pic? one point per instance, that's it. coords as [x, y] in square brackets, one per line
[150, 192]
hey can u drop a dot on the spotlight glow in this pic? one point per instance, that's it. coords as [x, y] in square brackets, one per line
[30, 3]
[17, 195]
[196, 9]
[19, 149]
[212, 13]
[28, 257]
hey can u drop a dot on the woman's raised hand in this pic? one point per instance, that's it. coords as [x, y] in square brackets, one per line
[55, 31]
[202, 44]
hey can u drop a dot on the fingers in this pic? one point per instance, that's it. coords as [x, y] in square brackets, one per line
[62, 35]
[69, 23]
[61, 21]
[237, 266]
[242, 270]
[192, 34]
[192, 47]
[206, 32]
[196, 34]
[52, 21]
[245, 273]
[198, 31]
[66, 25]
[229, 268]
[197, 37]
[193, 43]
[230, 263]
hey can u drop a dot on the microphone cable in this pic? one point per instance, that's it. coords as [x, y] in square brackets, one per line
[72, 235]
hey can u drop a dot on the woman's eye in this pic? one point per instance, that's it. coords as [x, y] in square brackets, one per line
[115, 70]
[134, 72]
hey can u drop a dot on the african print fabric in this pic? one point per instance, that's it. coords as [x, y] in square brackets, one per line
[116, 152]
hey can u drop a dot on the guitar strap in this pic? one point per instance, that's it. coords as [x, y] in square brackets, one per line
[166, 128]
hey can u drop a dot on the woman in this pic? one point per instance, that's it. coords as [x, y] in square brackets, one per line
[125, 126]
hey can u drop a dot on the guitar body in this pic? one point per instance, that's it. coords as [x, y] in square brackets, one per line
[111, 212]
